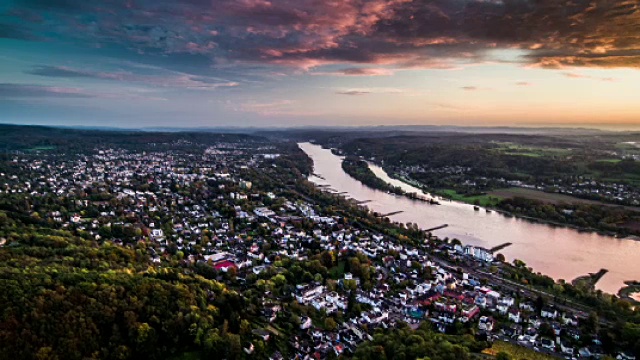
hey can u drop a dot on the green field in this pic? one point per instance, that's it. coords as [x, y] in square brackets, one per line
[551, 198]
[482, 200]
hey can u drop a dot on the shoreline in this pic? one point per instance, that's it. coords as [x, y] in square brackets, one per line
[532, 219]
[409, 187]
[626, 292]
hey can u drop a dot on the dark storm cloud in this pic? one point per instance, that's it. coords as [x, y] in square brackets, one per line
[308, 33]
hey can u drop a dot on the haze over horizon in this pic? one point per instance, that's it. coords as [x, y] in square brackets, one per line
[259, 63]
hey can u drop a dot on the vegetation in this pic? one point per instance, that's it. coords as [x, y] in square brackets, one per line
[68, 298]
[68, 294]
[505, 350]
[484, 200]
[404, 343]
[360, 171]
[604, 218]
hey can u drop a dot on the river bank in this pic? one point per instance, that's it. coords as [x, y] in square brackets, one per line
[556, 251]
[631, 292]
[471, 201]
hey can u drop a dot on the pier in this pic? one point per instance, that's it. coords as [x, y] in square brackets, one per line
[437, 227]
[363, 202]
[500, 247]
[390, 214]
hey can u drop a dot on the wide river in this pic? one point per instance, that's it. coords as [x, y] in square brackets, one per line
[561, 253]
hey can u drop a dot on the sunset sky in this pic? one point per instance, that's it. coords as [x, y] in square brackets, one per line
[142, 63]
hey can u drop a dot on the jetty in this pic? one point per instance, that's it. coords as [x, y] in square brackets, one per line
[390, 214]
[500, 247]
[363, 202]
[437, 227]
[318, 176]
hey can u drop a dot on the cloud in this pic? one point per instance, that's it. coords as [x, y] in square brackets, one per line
[573, 75]
[375, 90]
[8, 90]
[358, 72]
[469, 88]
[275, 108]
[523, 83]
[370, 33]
[164, 79]
[25, 91]
[353, 92]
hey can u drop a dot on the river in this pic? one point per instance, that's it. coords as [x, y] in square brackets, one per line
[561, 253]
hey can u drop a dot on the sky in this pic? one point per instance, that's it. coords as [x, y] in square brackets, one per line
[259, 63]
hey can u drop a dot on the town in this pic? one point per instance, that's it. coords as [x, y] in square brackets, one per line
[227, 211]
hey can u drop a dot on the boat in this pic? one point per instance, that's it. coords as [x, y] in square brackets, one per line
[476, 208]
[488, 211]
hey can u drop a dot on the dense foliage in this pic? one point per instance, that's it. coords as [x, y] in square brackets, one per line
[68, 298]
[405, 344]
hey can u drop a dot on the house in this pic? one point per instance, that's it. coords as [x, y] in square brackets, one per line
[502, 308]
[305, 322]
[485, 323]
[568, 350]
[569, 319]
[225, 265]
[514, 316]
[264, 212]
[549, 313]
[624, 356]
[526, 306]
[469, 312]
[547, 343]
[261, 333]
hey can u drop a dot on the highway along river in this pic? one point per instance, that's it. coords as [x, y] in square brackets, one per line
[561, 253]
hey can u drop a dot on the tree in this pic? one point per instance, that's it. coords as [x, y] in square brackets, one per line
[330, 324]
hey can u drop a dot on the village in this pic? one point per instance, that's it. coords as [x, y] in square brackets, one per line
[211, 211]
